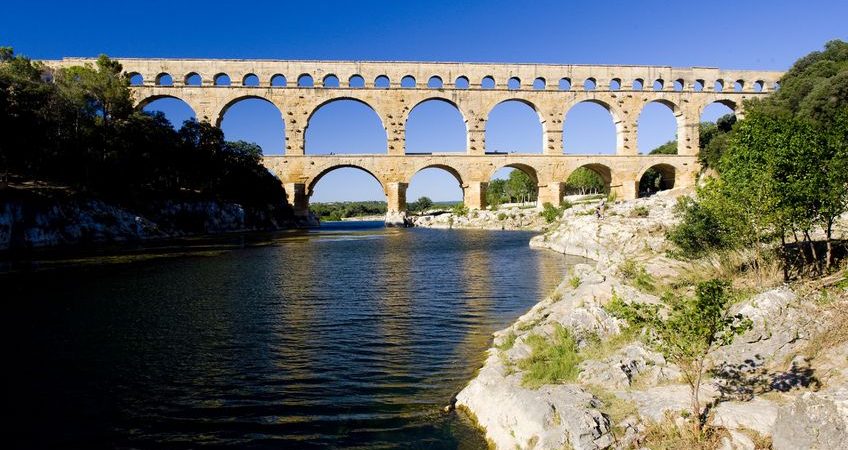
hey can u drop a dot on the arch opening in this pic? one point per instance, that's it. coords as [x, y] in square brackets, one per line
[434, 82]
[345, 126]
[345, 191]
[278, 80]
[305, 80]
[539, 84]
[658, 84]
[254, 120]
[513, 184]
[615, 84]
[330, 81]
[382, 82]
[435, 125]
[488, 82]
[193, 79]
[514, 126]
[356, 81]
[565, 84]
[698, 86]
[657, 128]
[513, 84]
[590, 84]
[407, 82]
[589, 128]
[462, 83]
[174, 109]
[738, 86]
[659, 177]
[434, 187]
[164, 79]
[222, 80]
[679, 84]
[250, 80]
[136, 79]
[589, 179]
[638, 84]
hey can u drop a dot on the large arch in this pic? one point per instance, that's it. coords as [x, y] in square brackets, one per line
[175, 109]
[655, 178]
[500, 190]
[591, 127]
[514, 126]
[438, 182]
[344, 189]
[572, 183]
[712, 111]
[254, 119]
[436, 125]
[660, 122]
[345, 125]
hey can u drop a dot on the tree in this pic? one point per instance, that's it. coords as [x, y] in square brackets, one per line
[520, 187]
[685, 330]
[669, 148]
[424, 203]
[584, 181]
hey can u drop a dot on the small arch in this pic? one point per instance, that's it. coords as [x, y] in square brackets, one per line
[193, 79]
[679, 84]
[539, 84]
[382, 82]
[250, 80]
[221, 79]
[738, 85]
[513, 83]
[435, 82]
[718, 86]
[164, 79]
[578, 183]
[305, 80]
[356, 82]
[136, 79]
[462, 82]
[776, 85]
[330, 81]
[638, 84]
[565, 84]
[278, 80]
[407, 82]
[615, 84]
[758, 86]
[659, 177]
[659, 83]
[590, 84]
[698, 86]
[488, 82]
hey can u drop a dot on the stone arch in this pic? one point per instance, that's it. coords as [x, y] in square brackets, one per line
[680, 125]
[725, 102]
[250, 80]
[603, 171]
[135, 79]
[461, 82]
[655, 178]
[614, 116]
[330, 81]
[164, 79]
[356, 81]
[526, 168]
[435, 82]
[305, 80]
[525, 102]
[152, 99]
[443, 100]
[313, 180]
[496, 196]
[266, 127]
[221, 79]
[278, 80]
[193, 79]
[380, 119]
[382, 82]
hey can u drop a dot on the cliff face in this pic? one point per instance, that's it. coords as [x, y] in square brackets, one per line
[783, 381]
[33, 221]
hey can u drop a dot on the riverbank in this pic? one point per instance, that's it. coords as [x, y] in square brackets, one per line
[59, 218]
[783, 384]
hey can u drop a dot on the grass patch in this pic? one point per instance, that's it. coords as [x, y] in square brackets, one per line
[552, 360]
[638, 276]
[599, 349]
[666, 435]
[574, 282]
[615, 407]
[640, 211]
[507, 342]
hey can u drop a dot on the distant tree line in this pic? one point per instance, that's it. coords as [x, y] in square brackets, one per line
[335, 211]
[77, 127]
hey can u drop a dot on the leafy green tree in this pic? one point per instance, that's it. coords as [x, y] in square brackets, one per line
[685, 330]
[520, 187]
[584, 181]
[496, 193]
[424, 203]
[669, 148]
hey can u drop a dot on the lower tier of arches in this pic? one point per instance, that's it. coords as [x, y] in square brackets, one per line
[628, 177]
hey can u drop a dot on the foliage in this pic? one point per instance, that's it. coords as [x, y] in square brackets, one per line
[574, 282]
[685, 330]
[77, 127]
[459, 209]
[699, 231]
[420, 205]
[519, 187]
[637, 275]
[584, 181]
[502, 216]
[669, 148]
[550, 213]
[640, 211]
[335, 211]
[507, 342]
[552, 360]
[713, 139]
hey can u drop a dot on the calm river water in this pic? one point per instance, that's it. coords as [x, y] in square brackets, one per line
[352, 336]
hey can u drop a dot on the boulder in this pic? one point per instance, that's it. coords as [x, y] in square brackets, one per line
[813, 420]
[758, 415]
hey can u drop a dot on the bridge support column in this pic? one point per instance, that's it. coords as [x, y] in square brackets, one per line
[297, 198]
[553, 142]
[551, 193]
[625, 187]
[396, 205]
[688, 139]
[474, 194]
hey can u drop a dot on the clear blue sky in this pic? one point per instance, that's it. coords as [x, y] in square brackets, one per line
[733, 35]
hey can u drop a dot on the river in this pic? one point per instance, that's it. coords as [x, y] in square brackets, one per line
[350, 336]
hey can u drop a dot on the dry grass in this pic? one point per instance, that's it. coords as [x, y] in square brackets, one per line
[666, 435]
[737, 266]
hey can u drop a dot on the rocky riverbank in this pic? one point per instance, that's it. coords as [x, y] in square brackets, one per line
[784, 383]
[513, 218]
[30, 220]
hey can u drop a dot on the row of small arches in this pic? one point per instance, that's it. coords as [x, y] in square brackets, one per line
[462, 82]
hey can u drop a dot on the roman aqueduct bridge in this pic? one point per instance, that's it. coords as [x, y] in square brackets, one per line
[393, 89]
